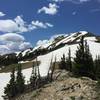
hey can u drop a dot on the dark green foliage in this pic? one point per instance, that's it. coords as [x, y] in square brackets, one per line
[68, 61]
[20, 82]
[8, 59]
[58, 38]
[83, 63]
[15, 87]
[35, 79]
[33, 76]
[62, 64]
[97, 67]
[10, 89]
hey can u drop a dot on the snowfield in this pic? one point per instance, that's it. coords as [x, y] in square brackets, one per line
[46, 59]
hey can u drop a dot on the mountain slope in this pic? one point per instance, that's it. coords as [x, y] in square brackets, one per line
[72, 38]
[57, 42]
[45, 59]
[62, 46]
[65, 87]
[44, 54]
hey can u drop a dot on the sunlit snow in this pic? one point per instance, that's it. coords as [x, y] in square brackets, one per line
[46, 59]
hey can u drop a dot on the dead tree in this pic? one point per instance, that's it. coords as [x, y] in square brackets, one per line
[38, 78]
[33, 77]
[51, 70]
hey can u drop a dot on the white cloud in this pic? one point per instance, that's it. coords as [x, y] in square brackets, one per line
[32, 27]
[42, 42]
[25, 45]
[74, 13]
[45, 42]
[2, 14]
[4, 49]
[21, 23]
[94, 10]
[58, 0]
[73, 1]
[12, 42]
[49, 25]
[18, 25]
[12, 37]
[39, 24]
[52, 9]
[8, 26]
[84, 0]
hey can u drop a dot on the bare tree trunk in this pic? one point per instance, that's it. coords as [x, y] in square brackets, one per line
[38, 80]
[52, 70]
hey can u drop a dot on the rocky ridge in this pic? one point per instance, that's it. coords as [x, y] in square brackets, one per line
[65, 87]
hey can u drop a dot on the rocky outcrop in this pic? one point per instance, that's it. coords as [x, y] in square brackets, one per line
[65, 87]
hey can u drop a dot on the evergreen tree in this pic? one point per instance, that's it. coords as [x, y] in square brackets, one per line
[33, 77]
[20, 82]
[62, 64]
[88, 61]
[97, 67]
[83, 61]
[10, 89]
[68, 61]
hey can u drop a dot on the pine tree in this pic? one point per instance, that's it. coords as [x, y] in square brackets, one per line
[68, 61]
[62, 64]
[83, 60]
[20, 82]
[33, 77]
[97, 67]
[88, 61]
[10, 89]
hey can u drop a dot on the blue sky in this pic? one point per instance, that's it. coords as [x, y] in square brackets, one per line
[40, 19]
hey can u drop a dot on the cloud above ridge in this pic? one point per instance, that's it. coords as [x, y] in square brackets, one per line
[52, 9]
[12, 42]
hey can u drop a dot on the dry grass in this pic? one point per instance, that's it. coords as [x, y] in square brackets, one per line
[24, 66]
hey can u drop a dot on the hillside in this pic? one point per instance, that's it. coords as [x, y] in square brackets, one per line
[65, 87]
[44, 53]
